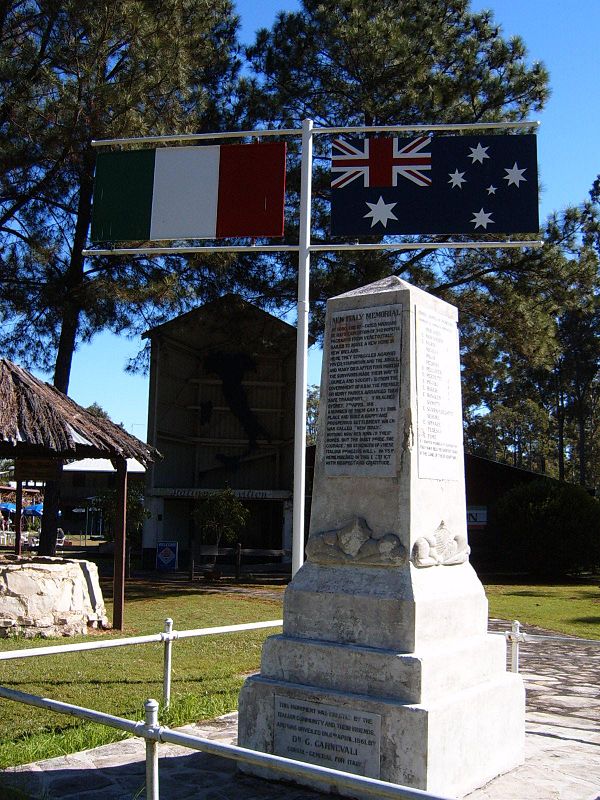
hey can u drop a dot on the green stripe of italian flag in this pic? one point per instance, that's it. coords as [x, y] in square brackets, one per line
[189, 193]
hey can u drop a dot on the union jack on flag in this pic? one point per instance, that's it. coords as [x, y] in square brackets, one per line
[467, 184]
[380, 161]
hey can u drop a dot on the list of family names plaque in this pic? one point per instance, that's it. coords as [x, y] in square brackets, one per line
[363, 391]
[439, 439]
[331, 736]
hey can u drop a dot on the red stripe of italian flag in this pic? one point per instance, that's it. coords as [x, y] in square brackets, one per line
[190, 193]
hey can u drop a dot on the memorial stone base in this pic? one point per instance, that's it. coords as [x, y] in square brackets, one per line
[445, 718]
[385, 668]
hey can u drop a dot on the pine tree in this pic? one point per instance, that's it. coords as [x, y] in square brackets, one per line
[350, 62]
[72, 72]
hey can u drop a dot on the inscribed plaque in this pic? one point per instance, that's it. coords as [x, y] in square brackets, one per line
[439, 412]
[363, 391]
[340, 738]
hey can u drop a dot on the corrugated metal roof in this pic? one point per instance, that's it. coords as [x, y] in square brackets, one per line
[101, 465]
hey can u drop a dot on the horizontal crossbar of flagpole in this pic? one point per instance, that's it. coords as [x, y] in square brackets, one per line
[458, 126]
[167, 251]
[194, 137]
[424, 246]
[314, 248]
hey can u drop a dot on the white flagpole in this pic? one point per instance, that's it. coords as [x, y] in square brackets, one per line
[302, 347]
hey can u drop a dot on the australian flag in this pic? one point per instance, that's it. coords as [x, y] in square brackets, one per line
[434, 185]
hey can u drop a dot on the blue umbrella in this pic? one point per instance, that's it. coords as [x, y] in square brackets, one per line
[8, 507]
[35, 510]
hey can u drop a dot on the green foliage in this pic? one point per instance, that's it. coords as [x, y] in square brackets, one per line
[356, 63]
[531, 353]
[546, 528]
[220, 515]
[72, 72]
[137, 513]
[81, 70]
[312, 413]
[97, 411]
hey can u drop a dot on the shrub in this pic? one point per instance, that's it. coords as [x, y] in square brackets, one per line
[220, 515]
[546, 528]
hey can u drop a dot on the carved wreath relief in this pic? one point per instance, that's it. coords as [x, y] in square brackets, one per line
[355, 543]
[440, 547]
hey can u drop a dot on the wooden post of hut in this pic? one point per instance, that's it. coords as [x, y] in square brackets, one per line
[120, 544]
[18, 516]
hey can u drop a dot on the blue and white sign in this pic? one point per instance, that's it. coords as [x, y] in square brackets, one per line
[167, 556]
[476, 517]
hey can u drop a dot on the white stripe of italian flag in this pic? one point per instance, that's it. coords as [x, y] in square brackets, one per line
[190, 193]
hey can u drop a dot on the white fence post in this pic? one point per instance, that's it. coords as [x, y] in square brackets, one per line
[167, 663]
[514, 646]
[151, 712]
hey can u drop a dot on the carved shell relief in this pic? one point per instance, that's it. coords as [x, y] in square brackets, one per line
[440, 548]
[355, 543]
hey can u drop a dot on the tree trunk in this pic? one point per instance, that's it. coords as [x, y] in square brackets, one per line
[560, 423]
[68, 338]
[74, 282]
[581, 445]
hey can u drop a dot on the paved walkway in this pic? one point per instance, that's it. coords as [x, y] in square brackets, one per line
[562, 749]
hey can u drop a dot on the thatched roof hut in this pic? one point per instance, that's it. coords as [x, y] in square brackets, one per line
[37, 420]
[38, 423]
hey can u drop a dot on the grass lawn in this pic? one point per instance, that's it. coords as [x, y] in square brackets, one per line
[207, 672]
[570, 607]
[206, 678]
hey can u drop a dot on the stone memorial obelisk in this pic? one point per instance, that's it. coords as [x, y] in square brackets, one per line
[385, 667]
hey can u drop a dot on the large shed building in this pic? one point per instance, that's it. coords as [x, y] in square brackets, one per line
[221, 412]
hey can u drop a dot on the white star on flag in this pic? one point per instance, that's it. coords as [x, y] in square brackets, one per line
[380, 212]
[482, 219]
[478, 153]
[457, 178]
[514, 175]
[491, 190]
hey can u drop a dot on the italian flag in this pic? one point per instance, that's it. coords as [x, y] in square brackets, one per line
[204, 192]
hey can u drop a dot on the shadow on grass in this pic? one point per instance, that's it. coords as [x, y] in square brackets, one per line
[586, 620]
[525, 579]
[573, 594]
[152, 588]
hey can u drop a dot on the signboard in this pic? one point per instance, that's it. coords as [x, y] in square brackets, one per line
[476, 517]
[167, 556]
[246, 494]
[41, 469]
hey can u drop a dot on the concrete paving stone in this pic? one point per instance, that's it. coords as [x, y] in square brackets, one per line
[574, 701]
[69, 782]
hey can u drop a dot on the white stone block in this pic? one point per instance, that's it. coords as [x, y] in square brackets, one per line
[449, 746]
[425, 675]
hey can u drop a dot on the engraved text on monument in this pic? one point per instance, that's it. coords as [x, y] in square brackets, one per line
[363, 391]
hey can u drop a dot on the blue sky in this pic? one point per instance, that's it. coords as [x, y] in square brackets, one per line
[563, 35]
